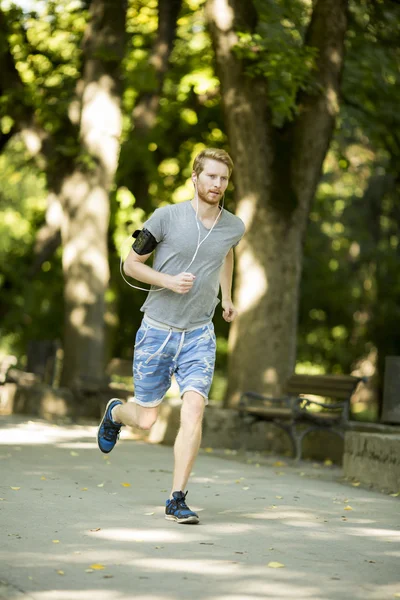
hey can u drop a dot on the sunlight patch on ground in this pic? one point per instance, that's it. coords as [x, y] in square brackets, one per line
[44, 433]
[378, 533]
[149, 535]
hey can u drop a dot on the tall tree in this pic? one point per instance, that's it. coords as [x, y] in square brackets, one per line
[85, 193]
[277, 168]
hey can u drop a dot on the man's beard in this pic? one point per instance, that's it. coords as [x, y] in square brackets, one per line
[210, 200]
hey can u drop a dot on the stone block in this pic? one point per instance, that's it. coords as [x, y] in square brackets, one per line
[44, 401]
[373, 459]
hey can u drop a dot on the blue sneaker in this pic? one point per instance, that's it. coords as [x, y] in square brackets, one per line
[177, 509]
[108, 432]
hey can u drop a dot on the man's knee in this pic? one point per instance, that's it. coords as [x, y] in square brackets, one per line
[192, 408]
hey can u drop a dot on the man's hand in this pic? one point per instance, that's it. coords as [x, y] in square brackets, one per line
[229, 311]
[181, 283]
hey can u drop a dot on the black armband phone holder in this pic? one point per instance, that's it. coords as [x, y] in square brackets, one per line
[144, 243]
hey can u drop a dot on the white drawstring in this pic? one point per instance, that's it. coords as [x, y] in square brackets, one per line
[165, 342]
[161, 347]
[180, 346]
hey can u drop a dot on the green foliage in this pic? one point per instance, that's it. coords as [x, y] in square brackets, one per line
[276, 52]
[30, 308]
[350, 284]
[46, 51]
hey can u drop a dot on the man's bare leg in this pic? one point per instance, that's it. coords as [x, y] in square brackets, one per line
[188, 440]
[134, 415]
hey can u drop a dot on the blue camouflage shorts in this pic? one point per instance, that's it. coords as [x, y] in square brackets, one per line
[161, 353]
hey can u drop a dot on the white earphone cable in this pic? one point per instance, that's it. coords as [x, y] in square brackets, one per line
[199, 243]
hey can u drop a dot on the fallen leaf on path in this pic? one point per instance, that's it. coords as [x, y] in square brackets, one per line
[84, 489]
[245, 488]
[43, 478]
[206, 543]
[275, 565]
[126, 484]
[355, 483]
[347, 508]
[328, 462]
[97, 567]
[56, 541]
[97, 529]
[395, 495]
[73, 453]
[279, 497]
[279, 463]
[88, 570]
[209, 450]
[60, 572]
[100, 484]
[149, 514]
[108, 576]
[15, 488]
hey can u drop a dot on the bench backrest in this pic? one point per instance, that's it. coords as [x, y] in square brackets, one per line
[340, 387]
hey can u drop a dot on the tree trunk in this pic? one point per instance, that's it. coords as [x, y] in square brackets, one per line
[276, 174]
[85, 194]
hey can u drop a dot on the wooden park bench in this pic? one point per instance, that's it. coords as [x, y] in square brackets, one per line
[294, 410]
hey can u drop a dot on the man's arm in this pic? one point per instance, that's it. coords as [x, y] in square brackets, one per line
[225, 281]
[134, 267]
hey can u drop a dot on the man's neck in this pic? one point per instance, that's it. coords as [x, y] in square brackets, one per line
[205, 211]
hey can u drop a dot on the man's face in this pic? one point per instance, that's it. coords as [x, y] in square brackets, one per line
[212, 181]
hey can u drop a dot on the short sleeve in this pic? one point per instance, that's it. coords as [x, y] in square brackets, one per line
[240, 234]
[158, 223]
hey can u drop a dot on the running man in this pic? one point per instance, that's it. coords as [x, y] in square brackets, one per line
[193, 245]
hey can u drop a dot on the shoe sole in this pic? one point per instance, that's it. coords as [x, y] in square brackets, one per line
[192, 520]
[101, 423]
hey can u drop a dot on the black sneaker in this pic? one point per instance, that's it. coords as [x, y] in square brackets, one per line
[177, 509]
[108, 432]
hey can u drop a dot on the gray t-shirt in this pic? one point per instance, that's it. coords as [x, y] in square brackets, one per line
[174, 227]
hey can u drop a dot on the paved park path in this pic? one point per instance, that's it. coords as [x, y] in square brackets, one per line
[77, 525]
